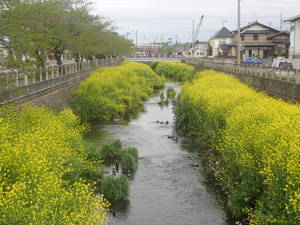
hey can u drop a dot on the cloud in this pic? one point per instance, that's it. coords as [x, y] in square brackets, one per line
[155, 18]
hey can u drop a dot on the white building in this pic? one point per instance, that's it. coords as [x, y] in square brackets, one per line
[222, 37]
[295, 40]
[199, 50]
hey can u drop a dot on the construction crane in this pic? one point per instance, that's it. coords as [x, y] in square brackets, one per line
[196, 33]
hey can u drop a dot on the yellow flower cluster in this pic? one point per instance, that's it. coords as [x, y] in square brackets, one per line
[257, 141]
[37, 150]
[115, 92]
[175, 71]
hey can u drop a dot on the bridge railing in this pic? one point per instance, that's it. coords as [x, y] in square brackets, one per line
[23, 86]
[289, 75]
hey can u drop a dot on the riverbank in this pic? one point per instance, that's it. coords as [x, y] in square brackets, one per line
[255, 145]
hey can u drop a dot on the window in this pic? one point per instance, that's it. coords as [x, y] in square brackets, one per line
[242, 37]
[255, 37]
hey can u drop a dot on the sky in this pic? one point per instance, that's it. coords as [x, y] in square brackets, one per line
[157, 20]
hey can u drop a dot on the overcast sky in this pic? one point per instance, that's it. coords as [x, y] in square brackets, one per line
[156, 19]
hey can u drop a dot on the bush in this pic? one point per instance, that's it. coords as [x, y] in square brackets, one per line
[111, 152]
[171, 93]
[128, 161]
[153, 65]
[115, 188]
[134, 152]
[175, 71]
[39, 152]
[257, 142]
[115, 92]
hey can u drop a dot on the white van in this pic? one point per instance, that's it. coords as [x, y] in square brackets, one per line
[282, 63]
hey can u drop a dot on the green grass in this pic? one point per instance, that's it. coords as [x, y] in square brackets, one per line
[115, 188]
[111, 152]
[128, 161]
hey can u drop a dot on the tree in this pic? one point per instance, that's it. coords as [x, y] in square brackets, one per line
[31, 31]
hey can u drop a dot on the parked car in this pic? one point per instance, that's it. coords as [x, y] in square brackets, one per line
[252, 61]
[282, 63]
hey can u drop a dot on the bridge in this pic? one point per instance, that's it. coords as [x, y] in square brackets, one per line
[152, 59]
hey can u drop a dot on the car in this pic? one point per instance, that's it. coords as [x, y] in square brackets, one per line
[282, 63]
[252, 61]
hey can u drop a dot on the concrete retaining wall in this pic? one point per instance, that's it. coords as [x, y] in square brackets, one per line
[289, 91]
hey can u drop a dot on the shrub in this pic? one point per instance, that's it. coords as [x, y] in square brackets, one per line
[171, 93]
[111, 152]
[115, 188]
[39, 149]
[115, 92]
[153, 65]
[175, 71]
[134, 152]
[128, 161]
[257, 141]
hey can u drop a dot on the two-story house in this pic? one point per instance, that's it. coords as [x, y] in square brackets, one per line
[295, 40]
[261, 41]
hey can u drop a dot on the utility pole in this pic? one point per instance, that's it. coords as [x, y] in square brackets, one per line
[136, 38]
[281, 21]
[239, 34]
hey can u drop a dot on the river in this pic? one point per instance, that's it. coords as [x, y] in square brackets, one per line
[166, 189]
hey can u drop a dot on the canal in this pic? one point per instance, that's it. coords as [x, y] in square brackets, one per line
[166, 189]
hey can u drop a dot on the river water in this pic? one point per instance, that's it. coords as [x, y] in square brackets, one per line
[165, 189]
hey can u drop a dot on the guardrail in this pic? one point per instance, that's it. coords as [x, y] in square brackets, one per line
[290, 75]
[21, 87]
[275, 82]
[153, 59]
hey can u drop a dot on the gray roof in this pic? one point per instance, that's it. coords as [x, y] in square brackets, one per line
[292, 19]
[223, 33]
[256, 23]
[258, 44]
[225, 46]
[256, 32]
[278, 34]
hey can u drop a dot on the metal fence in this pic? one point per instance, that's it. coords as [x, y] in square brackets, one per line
[290, 75]
[20, 86]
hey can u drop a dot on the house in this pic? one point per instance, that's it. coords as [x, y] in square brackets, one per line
[198, 50]
[294, 51]
[261, 41]
[220, 42]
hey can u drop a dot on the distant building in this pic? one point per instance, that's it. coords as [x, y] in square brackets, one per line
[219, 42]
[294, 51]
[198, 50]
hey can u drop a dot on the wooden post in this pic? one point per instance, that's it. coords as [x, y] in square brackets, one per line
[17, 78]
[47, 73]
[298, 76]
[6, 80]
[26, 80]
[41, 74]
[52, 72]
